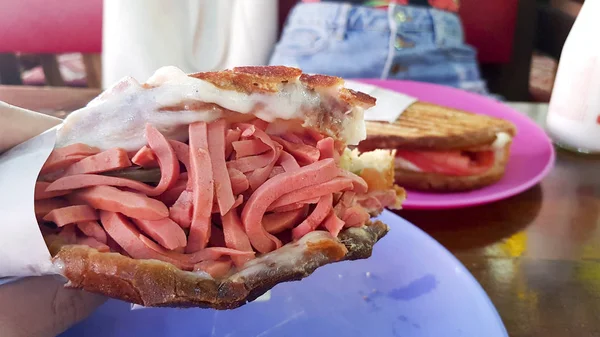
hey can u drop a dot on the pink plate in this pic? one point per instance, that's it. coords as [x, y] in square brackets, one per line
[532, 154]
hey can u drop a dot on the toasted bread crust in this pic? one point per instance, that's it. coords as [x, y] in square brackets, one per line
[269, 79]
[425, 126]
[156, 283]
[329, 115]
[444, 183]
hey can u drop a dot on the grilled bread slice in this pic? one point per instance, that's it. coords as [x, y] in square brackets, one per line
[425, 126]
[449, 136]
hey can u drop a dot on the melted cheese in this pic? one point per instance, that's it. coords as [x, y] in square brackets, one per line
[290, 256]
[355, 162]
[404, 164]
[117, 117]
[502, 138]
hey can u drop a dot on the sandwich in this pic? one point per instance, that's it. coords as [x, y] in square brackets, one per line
[442, 149]
[206, 190]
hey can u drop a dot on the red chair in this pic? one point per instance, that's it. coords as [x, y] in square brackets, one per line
[503, 32]
[49, 27]
[490, 27]
[507, 34]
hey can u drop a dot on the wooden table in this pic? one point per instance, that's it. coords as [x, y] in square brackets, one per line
[537, 254]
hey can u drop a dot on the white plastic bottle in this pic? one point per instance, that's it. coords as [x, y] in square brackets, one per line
[573, 120]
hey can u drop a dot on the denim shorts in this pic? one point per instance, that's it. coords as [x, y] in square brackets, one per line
[403, 42]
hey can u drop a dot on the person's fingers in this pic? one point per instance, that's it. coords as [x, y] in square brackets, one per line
[41, 306]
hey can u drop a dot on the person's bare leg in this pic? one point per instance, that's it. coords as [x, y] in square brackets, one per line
[41, 306]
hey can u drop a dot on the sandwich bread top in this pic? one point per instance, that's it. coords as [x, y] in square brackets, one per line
[425, 126]
[170, 100]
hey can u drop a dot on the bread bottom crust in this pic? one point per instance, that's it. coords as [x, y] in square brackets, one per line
[425, 181]
[159, 284]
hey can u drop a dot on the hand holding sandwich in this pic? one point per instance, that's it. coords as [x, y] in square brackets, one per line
[42, 306]
[204, 190]
[208, 189]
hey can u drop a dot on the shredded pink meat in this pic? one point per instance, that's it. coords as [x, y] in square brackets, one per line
[249, 147]
[355, 216]
[302, 152]
[315, 218]
[167, 160]
[145, 158]
[360, 185]
[93, 230]
[333, 224]
[71, 214]
[135, 205]
[201, 174]
[275, 171]
[251, 163]
[164, 231]
[238, 201]
[181, 211]
[182, 152]
[129, 238]
[313, 174]
[109, 160]
[288, 162]
[326, 148]
[294, 206]
[310, 192]
[260, 175]
[90, 241]
[292, 138]
[207, 254]
[64, 157]
[233, 192]
[231, 136]
[376, 201]
[40, 192]
[170, 196]
[169, 167]
[222, 183]
[235, 236]
[239, 182]
[276, 223]
[79, 181]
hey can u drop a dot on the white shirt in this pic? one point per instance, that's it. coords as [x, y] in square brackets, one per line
[140, 36]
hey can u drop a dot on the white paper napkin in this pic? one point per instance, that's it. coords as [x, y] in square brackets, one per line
[18, 125]
[390, 104]
[22, 248]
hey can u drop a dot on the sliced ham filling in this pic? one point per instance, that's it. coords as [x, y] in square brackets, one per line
[108, 160]
[455, 163]
[145, 157]
[233, 192]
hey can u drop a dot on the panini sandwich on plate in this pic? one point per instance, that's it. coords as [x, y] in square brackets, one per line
[209, 189]
[442, 149]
